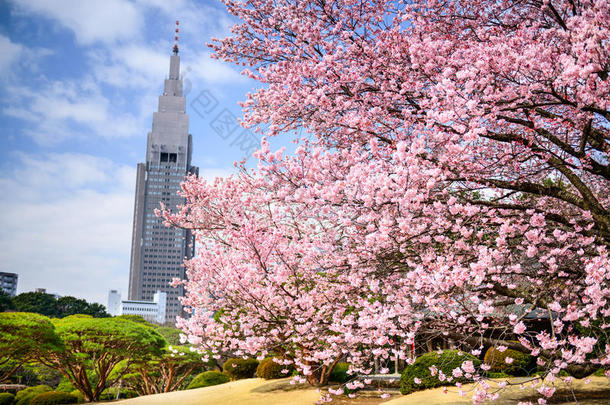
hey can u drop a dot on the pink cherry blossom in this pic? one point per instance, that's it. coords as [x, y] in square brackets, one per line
[519, 328]
[452, 181]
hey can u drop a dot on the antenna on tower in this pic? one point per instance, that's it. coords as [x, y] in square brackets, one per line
[176, 39]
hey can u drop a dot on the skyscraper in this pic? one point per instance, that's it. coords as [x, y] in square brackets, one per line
[158, 252]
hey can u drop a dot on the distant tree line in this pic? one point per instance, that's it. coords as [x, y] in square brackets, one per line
[47, 304]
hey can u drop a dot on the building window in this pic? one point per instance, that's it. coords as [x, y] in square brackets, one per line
[168, 157]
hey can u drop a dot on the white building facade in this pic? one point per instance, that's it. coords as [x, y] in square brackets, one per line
[153, 311]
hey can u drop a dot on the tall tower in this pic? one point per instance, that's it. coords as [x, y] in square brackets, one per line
[158, 252]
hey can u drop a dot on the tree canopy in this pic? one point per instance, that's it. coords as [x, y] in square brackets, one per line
[22, 335]
[47, 304]
[96, 346]
[6, 302]
[37, 302]
[454, 184]
[165, 373]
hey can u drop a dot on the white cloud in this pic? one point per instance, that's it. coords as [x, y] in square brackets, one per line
[91, 21]
[211, 173]
[10, 52]
[66, 218]
[66, 223]
[199, 66]
[60, 110]
[129, 66]
[117, 96]
[136, 64]
[16, 58]
[197, 19]
[143, 67]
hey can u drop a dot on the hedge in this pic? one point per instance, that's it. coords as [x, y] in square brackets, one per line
[79, 396]
[65, 385]
[24, 396]
[207, 379]
[53, 398]
[269, 369]
[237, 368]
[446, 362]
[6, 398]
[523, 363]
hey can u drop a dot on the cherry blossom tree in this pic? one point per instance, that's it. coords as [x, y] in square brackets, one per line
[455, 185]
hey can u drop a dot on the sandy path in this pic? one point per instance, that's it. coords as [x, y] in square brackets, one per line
[237, 392]
[255, 391]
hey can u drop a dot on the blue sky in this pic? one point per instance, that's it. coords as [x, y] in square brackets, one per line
[79, 81]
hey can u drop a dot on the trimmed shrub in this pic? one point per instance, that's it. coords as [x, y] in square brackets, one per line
[6, 398]
[24, 396]
[522, 363]
[445, 362]
[79, 396]
[53, 398]
[207, 379]
[238, 369]
[339, 373]
[65, 385]
[600, 372]
[269, 369]
[497, 375]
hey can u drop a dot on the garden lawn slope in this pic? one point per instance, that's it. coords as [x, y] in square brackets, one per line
[243, 392]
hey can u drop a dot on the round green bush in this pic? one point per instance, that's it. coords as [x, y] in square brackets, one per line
[79, 396]
[269, 369]
[6, 398]
[522, 363]
[65, 385]
[446, 362]
[339, 373]
[24, 396]
[53, 398]
[207, 379]
[238, 369]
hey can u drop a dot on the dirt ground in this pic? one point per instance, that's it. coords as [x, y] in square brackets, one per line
[256, 391]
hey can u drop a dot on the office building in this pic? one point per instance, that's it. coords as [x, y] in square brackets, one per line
[158, 252]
